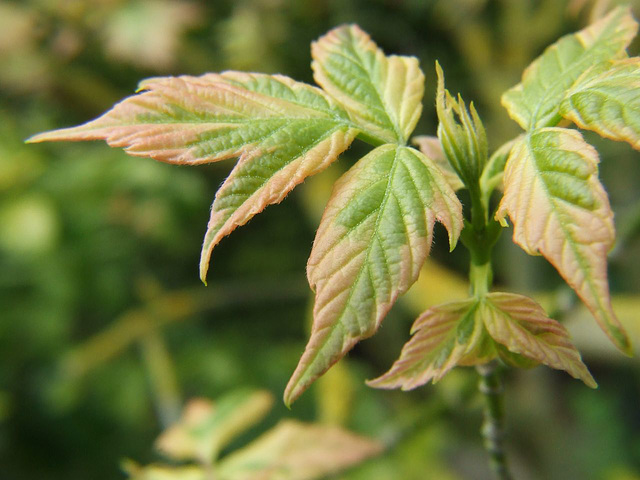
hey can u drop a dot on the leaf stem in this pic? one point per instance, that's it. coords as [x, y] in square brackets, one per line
[491, 387]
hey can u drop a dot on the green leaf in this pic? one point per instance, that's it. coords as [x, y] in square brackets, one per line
[206, 427]
[432, 149]
[382, 94]
[281, 130]
[464, 143]
[443, 337]
[560, 210]
[521, 325]
[296, 451]
[372, 241]
[534, 102]
[609, 102]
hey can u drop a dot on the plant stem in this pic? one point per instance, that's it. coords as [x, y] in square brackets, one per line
[491, 387]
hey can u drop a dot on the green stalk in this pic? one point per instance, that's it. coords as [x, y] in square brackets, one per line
[491, 387]
[479, 236]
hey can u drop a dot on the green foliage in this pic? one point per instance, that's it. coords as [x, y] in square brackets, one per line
[534, 103]
[376, 230]
[97, 251]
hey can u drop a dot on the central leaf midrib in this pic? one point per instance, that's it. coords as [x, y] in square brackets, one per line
[567, 235]
[340, 316]
[385, 108]
[321, 138]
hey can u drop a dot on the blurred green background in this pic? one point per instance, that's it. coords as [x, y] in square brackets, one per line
[105, 329]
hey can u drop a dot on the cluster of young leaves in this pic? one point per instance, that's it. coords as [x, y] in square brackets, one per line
[377, 227]
[291, 450]
[554, 198]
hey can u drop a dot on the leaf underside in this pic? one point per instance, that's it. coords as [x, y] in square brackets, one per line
[442, 337]
[609, 102]
[372, 241]
[282, 131]
[534, 102]
[560, 210]
[521, 325]
[475, 331]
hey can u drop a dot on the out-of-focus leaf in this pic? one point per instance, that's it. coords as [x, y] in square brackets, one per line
[609, 102]
[382, 93]
[282, 130]
[18, 27]
[161, 472]
[252, 37]
[560, 210]
[442, 337]
[206, 427]
[148, 32]
[296, 451]
[521, 325]
[29, 225]
[432, 148]
[372, 241]
[535, 102]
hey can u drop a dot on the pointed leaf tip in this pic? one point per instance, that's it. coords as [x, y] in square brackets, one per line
[282, 131]
[443, 337]
[382, 94]
[535, 101]
[374, 237]
[560, 209]
[606, 100]
[522, 326]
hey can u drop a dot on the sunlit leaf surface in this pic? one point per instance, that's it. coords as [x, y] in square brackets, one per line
[608, 103]
[296, 451]
[534, 102]
[560, 210]
[383, 94]
[521, 325]
[281, 130]
[373, 238]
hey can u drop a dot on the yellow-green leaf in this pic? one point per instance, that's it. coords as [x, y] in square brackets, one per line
[296, 451]
[534, 102]
[207, 427]
[374, 237]
[521, 325]
[560, 210]
[609, 102]
[162, 472]
[282, 131]
[442, 337]
[382, 94]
